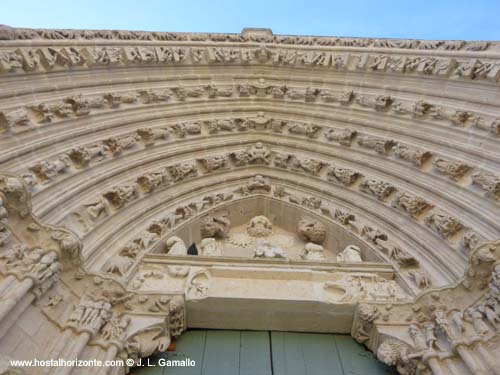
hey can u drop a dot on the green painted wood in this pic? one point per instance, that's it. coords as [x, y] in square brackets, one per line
[287, 354]
[320, 354]
[255, 353]
[356, 360]
[190, 345]
[267, 353]
[222, 353]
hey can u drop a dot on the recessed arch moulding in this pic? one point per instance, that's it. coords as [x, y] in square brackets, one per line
[329, 184]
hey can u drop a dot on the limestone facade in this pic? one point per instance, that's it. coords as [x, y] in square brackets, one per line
[349, 184]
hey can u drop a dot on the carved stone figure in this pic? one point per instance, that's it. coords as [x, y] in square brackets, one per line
[420, 279]
[430, 336]
[119, 265]
[184, 129]
[121, 195]
[175, 246]
[412, 204]
[393, 353]
[454, 169]
[116, 145]
[47, 171]
[182, 171]
[418, 337]
[90, 314]
[344, 176]
[115, 328]
[381, 146]
[351, 254]
[444, 224]
[97, 209]
[150, 135]
[488, 182]
[313, 251]
[475, 316]
[264, 249]
[11, 119]
[256, 154]
[215, 225]
[344, 136]
[381, 189]
[416, 155]
[210, 247]
[150, 181]
[306, 165]
[309, 130]
[259, 184]
[83, 155]
[214, 163]
[344, 217]
[310, 230]
[259, 226]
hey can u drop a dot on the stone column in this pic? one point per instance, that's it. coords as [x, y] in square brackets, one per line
[469, 359]
[14, 295]
[80, 343]
[488, 358]
[432, 360]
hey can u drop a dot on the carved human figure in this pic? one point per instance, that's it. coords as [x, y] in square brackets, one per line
[488, 309]
[457, 321]
[259, 226]
[313, 251]
[259, 183]
[216, 224]
[264, 249]
[351, 254]
[98, 209]
[176, 246]
[430, 336]
[310, 230]
[418, 337]
[210, 247]
[473, 315]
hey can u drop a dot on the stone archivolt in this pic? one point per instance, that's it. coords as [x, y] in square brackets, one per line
[408, 172]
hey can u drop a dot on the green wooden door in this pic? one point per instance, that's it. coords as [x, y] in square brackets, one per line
[266, 353]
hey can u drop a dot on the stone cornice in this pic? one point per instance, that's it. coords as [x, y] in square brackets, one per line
[248, 35]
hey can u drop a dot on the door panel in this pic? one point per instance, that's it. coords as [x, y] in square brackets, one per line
[267, 353]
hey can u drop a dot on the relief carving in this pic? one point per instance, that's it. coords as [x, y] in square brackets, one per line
[351, 254]
[444, 224]
[344, 176]
[259, 226]
[380, 145]
[310, 230]
[309, 130]
[214, 163]
[215, 225]
[48, 170]
[313, 251]
[454, 169]
[412, 204]
[256, 154]
[150, 181]
[488, 182]
[416, 156]
[380, 189]
[119, 196]
[182, 171]
[306, 165]
[344, 136]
